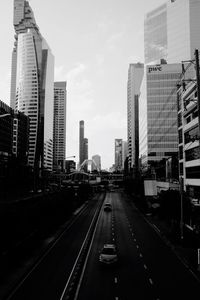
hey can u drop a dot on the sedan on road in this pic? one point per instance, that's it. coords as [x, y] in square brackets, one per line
[108, 254]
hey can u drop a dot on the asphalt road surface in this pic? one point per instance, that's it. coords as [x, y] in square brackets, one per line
[147, 268]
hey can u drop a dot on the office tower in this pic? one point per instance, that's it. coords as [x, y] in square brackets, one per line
[118, 155]
[97, 160]
[59, 128]
[155, 35]
[171, 31]
[158, 113]
[135, 75]
[85, 148]
[32, 80]
[81, 142]
[183, 26]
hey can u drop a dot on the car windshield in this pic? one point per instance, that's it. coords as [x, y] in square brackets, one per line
[109, 251]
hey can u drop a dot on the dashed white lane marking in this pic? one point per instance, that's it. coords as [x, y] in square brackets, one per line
[113, 239]
[141, 255]
[112, 233]
[134, 240]
[151, 281]
[145, 266]
[115, 279]
[137, 246]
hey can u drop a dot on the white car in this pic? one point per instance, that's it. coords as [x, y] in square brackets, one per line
[108, 254]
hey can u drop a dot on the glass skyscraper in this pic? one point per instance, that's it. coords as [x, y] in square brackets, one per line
[135, 75]
[32, 81]
[158, 113]
[155, 35]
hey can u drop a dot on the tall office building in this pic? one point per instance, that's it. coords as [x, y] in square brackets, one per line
[171, 31]
[81, 142]
[183, 26]
[158, 113]
[135, 75]
[118, 155]
[59, 128]
[97, 160]
[32, 80]
[155, 35]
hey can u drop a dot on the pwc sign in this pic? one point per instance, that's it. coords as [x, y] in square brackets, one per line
[154, 68]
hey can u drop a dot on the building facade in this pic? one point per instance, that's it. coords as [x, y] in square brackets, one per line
[97, 160]
[158, 114]
[189, 142]
[155, 35]
[171, 31]
[81, 142]
[32, 80]
[59, 128]
[135, 75]
[118, 155]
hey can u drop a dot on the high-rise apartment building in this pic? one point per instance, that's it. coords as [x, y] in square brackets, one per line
[118, 155]
[135, 75]
[158, 113]
[59, 129]
[32, 80]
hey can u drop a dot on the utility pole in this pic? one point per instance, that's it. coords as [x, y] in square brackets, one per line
[198, 88]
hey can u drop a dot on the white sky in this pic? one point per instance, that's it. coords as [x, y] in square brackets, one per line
[93, 42]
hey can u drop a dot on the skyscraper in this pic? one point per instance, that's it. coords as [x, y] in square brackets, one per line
[118, 155]
[171, 31]
[158, 113]
[155, 35]
[81, 142]
[135, 75]
[97, 159]
[59, 132]
[32, 81]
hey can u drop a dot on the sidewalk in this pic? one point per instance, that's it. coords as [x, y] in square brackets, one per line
[186, 249]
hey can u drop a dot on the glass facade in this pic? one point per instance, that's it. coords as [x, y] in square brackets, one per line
[155, 35]
[135, 75]
[32, 82]
[158, 111]
[183, 25]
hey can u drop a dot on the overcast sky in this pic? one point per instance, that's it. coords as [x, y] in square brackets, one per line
[93, 42]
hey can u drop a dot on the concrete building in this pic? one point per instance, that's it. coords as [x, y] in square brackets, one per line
[81, 142]
[135, 75]
[59, 128]
[189, 143]
[32, 80]
[158, 114]
[118, 155]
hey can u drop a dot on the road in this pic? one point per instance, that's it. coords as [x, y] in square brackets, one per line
[147, 268]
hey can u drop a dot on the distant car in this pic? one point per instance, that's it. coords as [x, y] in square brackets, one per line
[107, 207]
[108, 254]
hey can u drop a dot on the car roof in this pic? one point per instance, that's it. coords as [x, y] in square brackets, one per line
[107, 204]
[109, 246]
